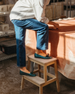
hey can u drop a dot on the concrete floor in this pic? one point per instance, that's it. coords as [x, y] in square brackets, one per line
[10, 81]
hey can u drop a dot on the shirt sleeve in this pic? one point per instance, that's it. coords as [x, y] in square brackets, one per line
[39, 11]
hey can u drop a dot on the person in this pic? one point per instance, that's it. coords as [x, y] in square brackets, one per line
[30, 14]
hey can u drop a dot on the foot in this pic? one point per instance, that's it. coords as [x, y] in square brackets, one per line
[41, 52]
[43, 57]
[24, 69]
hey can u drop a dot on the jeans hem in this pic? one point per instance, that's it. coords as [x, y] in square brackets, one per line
[21, 66]
[42, 49]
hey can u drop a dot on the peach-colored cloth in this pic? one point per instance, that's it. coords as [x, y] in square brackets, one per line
[61, 45]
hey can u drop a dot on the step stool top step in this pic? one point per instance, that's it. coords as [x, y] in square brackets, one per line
[43, 61]
[35, 80]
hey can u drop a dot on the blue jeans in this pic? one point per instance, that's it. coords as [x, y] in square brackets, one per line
[20, 28]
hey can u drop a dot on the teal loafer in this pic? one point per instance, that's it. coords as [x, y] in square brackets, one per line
[43, 57]
[28, 74]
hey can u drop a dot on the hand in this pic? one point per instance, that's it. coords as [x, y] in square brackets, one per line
[53, 25]
[56, 25]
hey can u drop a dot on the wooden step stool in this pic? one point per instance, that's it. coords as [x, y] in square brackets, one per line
[37, 80]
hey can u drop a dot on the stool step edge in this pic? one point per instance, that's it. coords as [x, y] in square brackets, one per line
[43, 61]
[37, 80]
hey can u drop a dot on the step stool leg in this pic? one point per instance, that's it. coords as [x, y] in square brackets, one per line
[56, 74]
[22, 83]
[32, 66]
[28, 66]
[48, 71]
[45, 73]
[40, 90]
[39, 73]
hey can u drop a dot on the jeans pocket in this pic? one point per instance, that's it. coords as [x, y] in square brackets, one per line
[13, 21]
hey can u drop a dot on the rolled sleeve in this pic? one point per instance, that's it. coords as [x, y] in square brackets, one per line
[38, 8]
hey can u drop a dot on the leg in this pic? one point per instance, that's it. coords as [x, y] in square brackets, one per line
[40, 90]
[42, 37]
[20, 41]
[56, 74]
[32, 66]
[28, 66]
[39, 73]
[45, 73]
[41, 28]
[22, 83]
[48, 70]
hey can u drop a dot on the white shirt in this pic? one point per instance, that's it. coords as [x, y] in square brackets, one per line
[25, 9]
